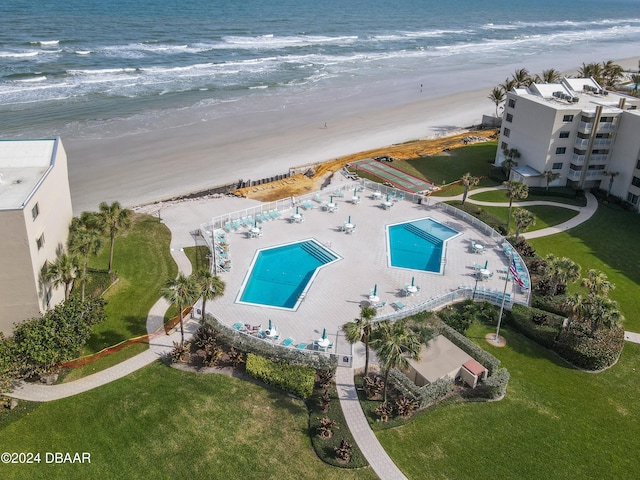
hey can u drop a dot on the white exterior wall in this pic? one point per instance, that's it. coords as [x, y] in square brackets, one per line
[22, 294]
[625, 157]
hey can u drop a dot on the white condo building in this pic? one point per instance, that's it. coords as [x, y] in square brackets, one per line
[590, 137]
[35, 213]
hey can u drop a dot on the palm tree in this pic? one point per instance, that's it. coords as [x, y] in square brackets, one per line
[515, 191]
[181, 291]
[591, 70]
[611, 73]
[635, 78]
[467, 181]
[597, 282]
[210, 287]
[393, 343]
[611, 176]
[550, 176]
[84, 240]
[113, 219]
[549, 76]
[521, 77]
[508, 85]
[360, 330]
[523, 220]
[63, 271]
[560, 271]
[497, 96]
[603, 312]
[511, 155]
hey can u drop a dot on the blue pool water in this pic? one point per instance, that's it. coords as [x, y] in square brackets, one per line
[418, 245]
[280, 275]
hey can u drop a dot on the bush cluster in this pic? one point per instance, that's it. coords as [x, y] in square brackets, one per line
[540, 326]
[494, 386]
[591, 351]
[296, 379]
[425, 395]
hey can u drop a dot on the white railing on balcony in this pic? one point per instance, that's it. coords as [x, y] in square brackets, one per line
[585, 127]
[574, 174]
[602, 141]
[577, 159]
[599, 158]
[582, 142]
[608, 126]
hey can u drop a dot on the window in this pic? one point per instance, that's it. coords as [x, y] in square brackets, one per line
[606, 119]
[582, 136]
[631, 198]
[556, 166]
[506, 132]
[600, 151]
[575, 168]
[586, 119]
[47, 297]
[635, 182]
[595, 167]
[561, 150]
[35, 211]
[567, 118]
[40, 241]
[512, 103]
[509, 117]
[638, 164]
[564, 134]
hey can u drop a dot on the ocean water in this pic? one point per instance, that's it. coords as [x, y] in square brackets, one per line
[74, 67]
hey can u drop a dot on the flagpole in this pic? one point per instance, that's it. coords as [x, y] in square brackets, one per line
[504, 297]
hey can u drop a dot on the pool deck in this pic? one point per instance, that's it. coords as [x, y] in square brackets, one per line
[339, 290]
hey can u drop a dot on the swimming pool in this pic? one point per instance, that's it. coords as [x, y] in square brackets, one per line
[280, 276]
[418, 245]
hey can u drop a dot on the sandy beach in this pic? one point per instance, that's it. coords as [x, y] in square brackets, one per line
[200, 150]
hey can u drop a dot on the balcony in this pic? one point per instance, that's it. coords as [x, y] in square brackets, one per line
[582, 142]
[606, 126]
[578, 159]
[585, 127]
[602, 141]
[574, 174]
[599, 158]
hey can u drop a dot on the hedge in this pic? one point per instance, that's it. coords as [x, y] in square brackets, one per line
[554, 304]
[248, 343]
[490, 362]
[590, 351]
[545, 333]
[424, 395]
[296, 379]
[495, 386]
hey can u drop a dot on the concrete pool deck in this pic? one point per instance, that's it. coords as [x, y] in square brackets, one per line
[338, 291]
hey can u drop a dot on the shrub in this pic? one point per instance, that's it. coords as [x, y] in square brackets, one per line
[343, 452]
[424, 395]
[295, 379]
[8, 366]
[373, 386]
[494, 386]
[325, 401]
[325, 428]
[180, 353]
[591, 352]
[384, 410]
[540, 326]
[405, 406]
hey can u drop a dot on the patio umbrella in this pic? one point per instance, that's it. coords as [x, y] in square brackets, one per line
[355, 192]
[255, 224]
[375, 289]
[486, 264]
[270, 324]
[387, 197]
[324, 333]
[349, 220]
[297, 210]
[331, 199]
[413, 279]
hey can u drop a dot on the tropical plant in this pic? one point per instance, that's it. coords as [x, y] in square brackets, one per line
[181, 352]
[325, 401]
[497, 96]
[508, 85]
[394, 343]
[384, 411]
[597, 282]
[209, 288]
[560, 271]
[210, 354]
[611, 73]
[373, 386]
[468, 181]
[635, 79]
[523, 220]
[591, 70]
[515, 191]
[597, 311]
[611, 176]
[549, 76]
[511, 156]
[343, 451]
[360, 329]
[325, 427]
[236, 357]
[181, 291]
[325, 377]
[405, 406]
[550, 176]
[521, 77]
[113, 219]
[63, 271]
[84, 241]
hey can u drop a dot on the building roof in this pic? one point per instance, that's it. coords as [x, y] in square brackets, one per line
[23, 165]
[474, 367]
[439, 358]
[526, 171]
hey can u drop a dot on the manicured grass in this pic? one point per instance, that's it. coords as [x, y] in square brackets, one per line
[607, 242]
[555, 423]
[161, 422]
[500, 196]
[143, 264]
[105, 362]
[198, 256]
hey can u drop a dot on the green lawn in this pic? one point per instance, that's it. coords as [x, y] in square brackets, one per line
[606, 242]
[500, 196]
[105, 362]
[555, 423]
[143, 264]
[161, 422]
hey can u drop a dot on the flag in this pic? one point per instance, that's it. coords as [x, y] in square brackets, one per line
[514, 272]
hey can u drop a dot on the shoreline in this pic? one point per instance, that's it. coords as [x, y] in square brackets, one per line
[169, 161]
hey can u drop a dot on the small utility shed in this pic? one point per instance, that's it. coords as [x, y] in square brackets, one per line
[441, 358]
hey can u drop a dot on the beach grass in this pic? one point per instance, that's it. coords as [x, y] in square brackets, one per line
[606, 242]
[555, 422]
[161, 422]
[143, 264]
